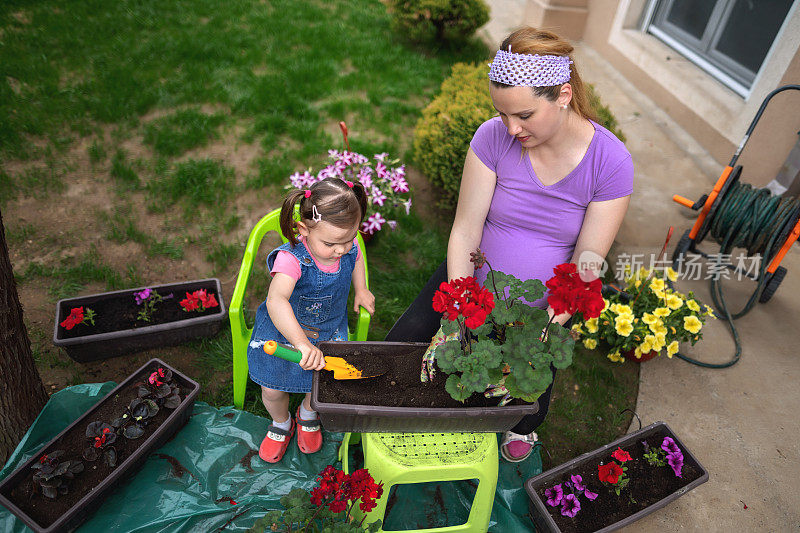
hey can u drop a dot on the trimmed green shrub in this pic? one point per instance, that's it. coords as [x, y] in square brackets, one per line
[438, 21]
[443, 133]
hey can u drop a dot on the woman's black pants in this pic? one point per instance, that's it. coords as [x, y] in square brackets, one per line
[419, 323]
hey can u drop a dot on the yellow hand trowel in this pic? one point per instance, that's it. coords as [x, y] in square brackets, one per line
[341, 369]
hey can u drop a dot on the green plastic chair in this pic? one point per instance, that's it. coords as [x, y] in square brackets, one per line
[405, 458]
[240, 333]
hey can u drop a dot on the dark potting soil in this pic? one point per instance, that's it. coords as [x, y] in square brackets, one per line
[648, 484]
[46, 511]
[399, 386]
[119, 312]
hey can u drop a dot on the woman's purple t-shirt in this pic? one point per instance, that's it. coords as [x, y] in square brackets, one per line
[530, 227]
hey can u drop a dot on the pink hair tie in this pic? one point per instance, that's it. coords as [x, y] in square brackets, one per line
[349, 183]
[307, 194]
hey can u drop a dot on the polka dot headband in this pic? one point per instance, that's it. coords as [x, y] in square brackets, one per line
[528, 70]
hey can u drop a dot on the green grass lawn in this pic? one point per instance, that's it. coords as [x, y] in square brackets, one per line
[147, 88]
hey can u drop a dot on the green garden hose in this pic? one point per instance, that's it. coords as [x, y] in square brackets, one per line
[758, 221]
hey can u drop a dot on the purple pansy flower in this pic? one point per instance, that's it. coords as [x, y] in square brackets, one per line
[669, 446]
[675, 460]
[589, 494]
[570, 505]
[577, 482]
[554, 495]
[141, 296]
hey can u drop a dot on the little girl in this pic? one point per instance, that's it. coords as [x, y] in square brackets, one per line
[307, 304]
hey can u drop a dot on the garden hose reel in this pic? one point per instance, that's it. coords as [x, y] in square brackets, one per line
[737, 215]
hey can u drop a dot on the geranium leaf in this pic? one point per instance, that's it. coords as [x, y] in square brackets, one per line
[456, 389]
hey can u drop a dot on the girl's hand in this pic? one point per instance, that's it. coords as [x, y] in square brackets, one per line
[312, 357]
[364, 298]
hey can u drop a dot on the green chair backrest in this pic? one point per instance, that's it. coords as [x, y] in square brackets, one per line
[240, 333]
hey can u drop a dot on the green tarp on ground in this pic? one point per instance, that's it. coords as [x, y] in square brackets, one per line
[189, 483]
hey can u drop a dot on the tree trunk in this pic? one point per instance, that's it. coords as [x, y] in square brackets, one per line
[22, 394]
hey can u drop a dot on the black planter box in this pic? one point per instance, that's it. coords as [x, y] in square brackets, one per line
[105, 345]
[377, 419]
[79, 512]
[538, 509]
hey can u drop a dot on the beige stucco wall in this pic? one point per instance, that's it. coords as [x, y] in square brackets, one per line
[709, 111]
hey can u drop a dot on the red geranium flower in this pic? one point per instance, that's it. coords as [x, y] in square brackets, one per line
[464, 297]
[570, 294]
[609, 473]
[621, 455]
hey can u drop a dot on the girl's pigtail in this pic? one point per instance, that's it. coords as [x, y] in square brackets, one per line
[361, 196]
[288, 226]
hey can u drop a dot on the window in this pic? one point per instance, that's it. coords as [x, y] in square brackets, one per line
[728, 38]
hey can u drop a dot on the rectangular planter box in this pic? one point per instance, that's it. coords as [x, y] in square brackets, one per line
[79, 512]
[105, 345]
[538, 508]
[376, 419]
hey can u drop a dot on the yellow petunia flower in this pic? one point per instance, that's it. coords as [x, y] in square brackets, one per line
[692, 324]
[710, 312]
[637, 283]
[649, 318]
[672, 349]
[623, 326]
[623, 309]
[657, 284]
[671, 274]
[661, 341]
[616, 357]
[660, 294]
[591, 325]
[661, 312]
[590, 343]
[691, 304]
[674, 301]
[577, 329]
[657, 326]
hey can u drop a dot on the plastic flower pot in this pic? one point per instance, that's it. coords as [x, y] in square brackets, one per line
[136, 335]
[645, 356]
[360, 417]
[543, 515]
[130, 458]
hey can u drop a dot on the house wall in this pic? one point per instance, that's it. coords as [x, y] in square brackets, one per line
[713, 114]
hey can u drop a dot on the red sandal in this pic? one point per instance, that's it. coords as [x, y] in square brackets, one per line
[309, 434]
[275, 443]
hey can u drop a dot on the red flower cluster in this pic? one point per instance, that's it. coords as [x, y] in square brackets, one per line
[569, 293]
[75, 317]
[464, 297]
[199, 300]
[99, 441]
[621, 455]
[609, 473]
[153, 379]
[336, 489]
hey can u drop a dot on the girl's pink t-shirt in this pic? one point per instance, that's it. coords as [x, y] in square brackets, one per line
[286, 263]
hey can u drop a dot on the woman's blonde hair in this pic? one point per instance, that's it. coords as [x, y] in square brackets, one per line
[532, 41]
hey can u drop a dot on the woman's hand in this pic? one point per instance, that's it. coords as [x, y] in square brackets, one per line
[364, 298]
[312, 357]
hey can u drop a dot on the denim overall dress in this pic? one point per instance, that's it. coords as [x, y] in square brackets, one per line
[319, 302]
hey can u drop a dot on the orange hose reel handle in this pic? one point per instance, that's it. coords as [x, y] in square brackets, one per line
[685, 202]
[710, 201]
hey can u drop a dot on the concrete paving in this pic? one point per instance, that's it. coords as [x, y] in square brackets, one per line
[741, 422]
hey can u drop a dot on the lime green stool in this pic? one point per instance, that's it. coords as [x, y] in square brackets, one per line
[240, 333]
[401, 458]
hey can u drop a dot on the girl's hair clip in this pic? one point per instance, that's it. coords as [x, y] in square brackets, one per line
[315, 215]
[307, 194]
[349, 183]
